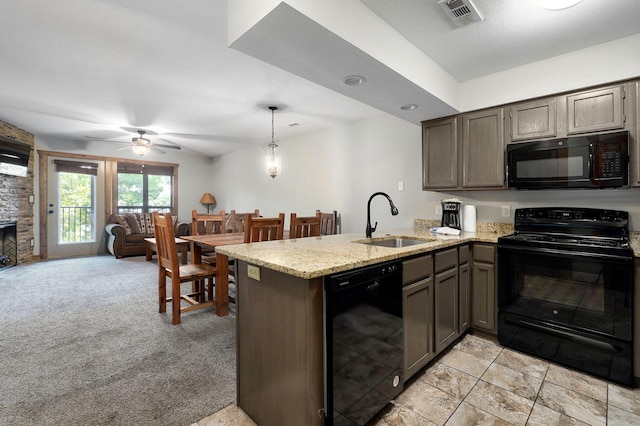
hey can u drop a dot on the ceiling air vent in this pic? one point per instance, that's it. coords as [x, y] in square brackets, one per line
[461, 12]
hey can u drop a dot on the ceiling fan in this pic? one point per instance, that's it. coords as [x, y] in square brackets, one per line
[141, 145]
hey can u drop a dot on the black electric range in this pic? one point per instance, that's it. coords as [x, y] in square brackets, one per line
[565, 289]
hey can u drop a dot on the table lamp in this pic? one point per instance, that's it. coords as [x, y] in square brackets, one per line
[208, 199]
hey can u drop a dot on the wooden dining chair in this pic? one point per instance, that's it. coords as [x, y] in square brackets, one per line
[237, 221]
[207, 223]
[301, 227]
[169, 266]
[328, 223]
[264, 229]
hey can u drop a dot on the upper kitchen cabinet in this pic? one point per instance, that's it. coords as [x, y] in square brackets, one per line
[596, 110]
[483, 149]
[533, 120]
[440, 154]
[465, 152]
[633, 125]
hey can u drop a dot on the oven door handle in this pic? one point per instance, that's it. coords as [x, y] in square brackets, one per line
[584, 341]
[590, 161]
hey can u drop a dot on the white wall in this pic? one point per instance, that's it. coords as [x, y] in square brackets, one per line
[338, 169]
[606, 62]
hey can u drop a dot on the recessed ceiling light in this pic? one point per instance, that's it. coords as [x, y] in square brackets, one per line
[408, 107]
[353, 80]
[557, 4]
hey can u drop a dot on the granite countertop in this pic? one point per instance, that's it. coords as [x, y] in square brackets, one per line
[319, 256]
[634, 242]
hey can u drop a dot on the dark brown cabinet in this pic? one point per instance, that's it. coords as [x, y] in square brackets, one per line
[633, 124]
[417, 307]
[596, 110]
[446, 294]
[533, 120]
[440, 154]
[464, 152]
[464, 288]
[484, 295]
[483, 149]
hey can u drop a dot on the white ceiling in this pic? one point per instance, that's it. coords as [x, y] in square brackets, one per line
[100, 69]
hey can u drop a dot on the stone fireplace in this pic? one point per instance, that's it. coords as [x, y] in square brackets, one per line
[8, 245]
[15, 207]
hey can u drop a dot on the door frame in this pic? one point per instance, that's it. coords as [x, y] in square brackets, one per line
[95, 247]
[110, 187]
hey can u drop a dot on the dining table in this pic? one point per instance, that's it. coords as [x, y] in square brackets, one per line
[222, 263]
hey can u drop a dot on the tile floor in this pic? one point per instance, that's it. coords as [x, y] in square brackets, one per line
[477, 382]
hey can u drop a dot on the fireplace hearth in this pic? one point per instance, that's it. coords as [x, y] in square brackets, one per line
[8, 245]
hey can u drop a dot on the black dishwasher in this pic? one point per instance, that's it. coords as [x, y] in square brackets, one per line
[364, 345]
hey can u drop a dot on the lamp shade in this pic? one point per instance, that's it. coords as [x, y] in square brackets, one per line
[207, 198]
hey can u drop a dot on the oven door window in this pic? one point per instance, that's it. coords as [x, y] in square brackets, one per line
[583, 293]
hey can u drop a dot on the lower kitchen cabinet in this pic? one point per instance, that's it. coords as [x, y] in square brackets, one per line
[636, 318]
[417, 306]
[484, 312]
[464, 288]
[446, 293]
[439, 297]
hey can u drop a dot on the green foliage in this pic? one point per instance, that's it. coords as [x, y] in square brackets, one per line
[130, 189]
[75, 190]
[76, 208]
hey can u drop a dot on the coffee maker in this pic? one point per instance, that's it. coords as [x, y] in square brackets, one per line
[451, 213]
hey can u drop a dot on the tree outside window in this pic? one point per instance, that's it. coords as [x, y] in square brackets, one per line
[144, 189]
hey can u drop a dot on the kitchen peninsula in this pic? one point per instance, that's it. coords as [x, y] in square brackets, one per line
[280, 344]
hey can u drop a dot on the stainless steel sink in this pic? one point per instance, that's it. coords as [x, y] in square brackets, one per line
[395, 242]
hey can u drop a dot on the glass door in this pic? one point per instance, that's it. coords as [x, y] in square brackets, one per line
[75, 207]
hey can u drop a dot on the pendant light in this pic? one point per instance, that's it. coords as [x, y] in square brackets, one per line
[273, 162]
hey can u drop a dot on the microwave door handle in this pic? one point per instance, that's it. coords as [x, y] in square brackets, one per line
[590, 161]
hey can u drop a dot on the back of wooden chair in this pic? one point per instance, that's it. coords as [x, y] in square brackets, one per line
[201, 275]
[264, 229]
[202, 223]
[328, 223]
[301, 227]
[237, 221]
[166, 245]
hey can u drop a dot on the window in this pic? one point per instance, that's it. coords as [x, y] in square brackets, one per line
[76, 203]
[144, 189]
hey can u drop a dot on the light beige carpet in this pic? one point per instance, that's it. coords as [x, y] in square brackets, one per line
[82, 343]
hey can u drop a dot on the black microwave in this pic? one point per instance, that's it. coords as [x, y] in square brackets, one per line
[587, 161]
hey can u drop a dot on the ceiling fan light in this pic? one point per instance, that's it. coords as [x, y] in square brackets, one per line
[141, 149]
[557, 4]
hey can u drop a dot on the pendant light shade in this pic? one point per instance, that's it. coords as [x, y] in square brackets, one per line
[273, 162]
